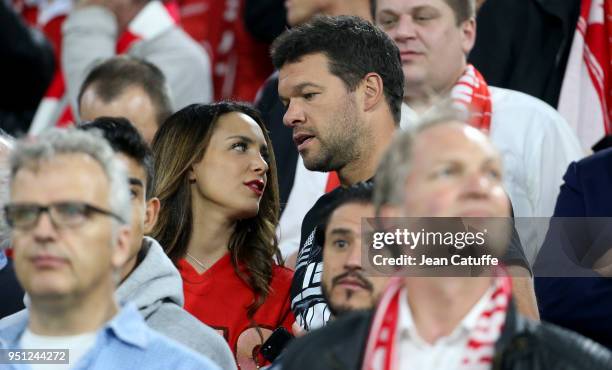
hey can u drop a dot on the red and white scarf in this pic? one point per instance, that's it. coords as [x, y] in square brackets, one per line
[472, 92]
[586, 93]
[381, 352]
[154, 19]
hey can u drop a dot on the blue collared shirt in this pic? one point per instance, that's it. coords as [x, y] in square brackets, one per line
[125, 342]
[3, 259]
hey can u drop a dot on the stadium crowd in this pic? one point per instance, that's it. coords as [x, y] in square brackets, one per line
[194, 184]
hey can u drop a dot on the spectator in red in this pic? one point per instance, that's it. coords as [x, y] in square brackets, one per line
[216, 181]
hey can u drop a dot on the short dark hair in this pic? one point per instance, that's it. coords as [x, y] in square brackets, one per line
[124, 138]
[359, 193]
[354, 48]
[114, 75]
[463, 9]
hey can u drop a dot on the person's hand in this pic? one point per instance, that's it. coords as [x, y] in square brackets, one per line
[603, 266]
[297, 330]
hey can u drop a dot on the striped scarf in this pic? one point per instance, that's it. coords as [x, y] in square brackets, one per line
[472, 93]
[381, 352]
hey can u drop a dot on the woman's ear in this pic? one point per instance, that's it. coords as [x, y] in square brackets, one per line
[191, 175]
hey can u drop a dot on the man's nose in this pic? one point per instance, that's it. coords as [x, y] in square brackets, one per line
[44, 228]
[353, 257]
[405, 28]
[478, 184]
[294, 115]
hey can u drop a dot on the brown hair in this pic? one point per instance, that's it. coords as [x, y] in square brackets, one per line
[110, 78]
[463, 9]
[181, 142]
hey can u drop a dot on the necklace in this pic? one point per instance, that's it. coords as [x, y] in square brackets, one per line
[197, 261]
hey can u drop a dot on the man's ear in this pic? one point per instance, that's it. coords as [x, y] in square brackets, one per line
[468, 35]
[121, 250]
[151, 214]
[373, 90]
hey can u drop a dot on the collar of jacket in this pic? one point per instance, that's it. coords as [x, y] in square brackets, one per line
[339, 356]
[516, 336]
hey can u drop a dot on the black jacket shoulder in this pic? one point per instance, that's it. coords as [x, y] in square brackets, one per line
[523, 345]
[339, 345]
[533, 345]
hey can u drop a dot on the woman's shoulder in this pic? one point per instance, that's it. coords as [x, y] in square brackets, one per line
[281, 275]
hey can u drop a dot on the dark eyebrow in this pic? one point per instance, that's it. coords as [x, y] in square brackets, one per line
[341, 231]
[241, 137]
[387, 11]
[136, 182]
[298, 88]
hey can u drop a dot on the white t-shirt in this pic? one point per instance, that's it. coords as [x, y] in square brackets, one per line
[308, 186]
[537, 145]
[78, 346]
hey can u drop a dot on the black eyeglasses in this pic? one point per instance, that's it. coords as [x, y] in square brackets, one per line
[62, 214]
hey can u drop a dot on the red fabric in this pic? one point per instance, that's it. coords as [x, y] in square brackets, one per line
[333, 181]
[380, 353]
[586, 93]
[53, 31]
[28, 13]
[126, 40]
[240, 64]
[597, 53]
[472, 92]
[219, 298]
[174, 10]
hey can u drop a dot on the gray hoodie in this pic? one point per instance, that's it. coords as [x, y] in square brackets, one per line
[156, 288]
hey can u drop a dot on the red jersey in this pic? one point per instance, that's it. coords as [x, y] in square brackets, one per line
[220, 299]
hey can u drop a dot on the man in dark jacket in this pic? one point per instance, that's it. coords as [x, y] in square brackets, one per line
[585, 194]
[445, 168]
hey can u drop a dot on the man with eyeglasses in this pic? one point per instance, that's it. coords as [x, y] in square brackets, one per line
[69, 212]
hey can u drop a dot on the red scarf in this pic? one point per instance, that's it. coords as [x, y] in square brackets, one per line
[381, 353]
[472, 92]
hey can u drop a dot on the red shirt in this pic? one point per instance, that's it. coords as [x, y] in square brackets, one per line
[220, 299]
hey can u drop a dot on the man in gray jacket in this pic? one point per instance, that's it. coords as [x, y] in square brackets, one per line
[149, 279]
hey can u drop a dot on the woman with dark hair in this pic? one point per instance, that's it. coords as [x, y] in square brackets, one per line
[216, 181]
